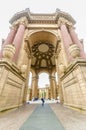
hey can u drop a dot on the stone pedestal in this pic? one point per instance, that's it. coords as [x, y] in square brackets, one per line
[11, 86]
[74, 85]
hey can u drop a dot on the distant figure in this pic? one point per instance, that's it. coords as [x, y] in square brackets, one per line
[42, 99]
[58, 100]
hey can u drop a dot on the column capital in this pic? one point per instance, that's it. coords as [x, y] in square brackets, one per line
[13, 27]
[22, 20]
[71, 27]
[64, 21]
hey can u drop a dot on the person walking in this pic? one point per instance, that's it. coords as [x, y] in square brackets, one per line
[42, 99]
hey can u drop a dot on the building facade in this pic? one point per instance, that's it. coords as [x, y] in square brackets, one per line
[42, 43]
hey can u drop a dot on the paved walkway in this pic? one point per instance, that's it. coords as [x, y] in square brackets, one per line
[43, 118]
[70, 119]
[14, 119]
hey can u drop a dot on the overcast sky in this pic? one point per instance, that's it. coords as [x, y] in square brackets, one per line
[76, 8]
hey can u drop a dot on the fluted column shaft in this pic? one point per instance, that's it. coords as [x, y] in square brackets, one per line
[18, 40]
[77, 41]
[66, 39]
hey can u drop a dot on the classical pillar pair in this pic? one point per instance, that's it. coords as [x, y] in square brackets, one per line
[69, 37]
[15, 37]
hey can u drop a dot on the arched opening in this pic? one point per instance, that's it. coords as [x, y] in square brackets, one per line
[44, 85]
[43, 80]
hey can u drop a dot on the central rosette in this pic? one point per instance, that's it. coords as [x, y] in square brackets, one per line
[43, 48]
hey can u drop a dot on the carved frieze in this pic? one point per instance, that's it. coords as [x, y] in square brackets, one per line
[42, 17]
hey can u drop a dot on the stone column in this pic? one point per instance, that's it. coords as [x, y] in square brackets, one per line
[77, 41]
[59, 80]
[9, 39]
[27, 79]
[66, 36]
[11, 35]
[19, 37]
[47, 92]
[53, 87]
[34, 86]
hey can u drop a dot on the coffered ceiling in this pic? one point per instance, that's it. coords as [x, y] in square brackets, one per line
[43, 55]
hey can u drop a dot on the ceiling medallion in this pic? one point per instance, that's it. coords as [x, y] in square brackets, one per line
[43, 48]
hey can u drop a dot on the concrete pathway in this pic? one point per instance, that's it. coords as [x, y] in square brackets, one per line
[12, 120]
[43, 118]
[70, 119]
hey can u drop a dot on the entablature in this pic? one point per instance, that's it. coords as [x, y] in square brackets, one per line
[42, 26]
[42, 18]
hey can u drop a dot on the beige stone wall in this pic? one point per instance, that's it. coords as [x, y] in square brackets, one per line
[74, 85]
[11, 87]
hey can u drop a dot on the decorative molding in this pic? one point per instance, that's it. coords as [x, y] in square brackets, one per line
[14, 27]
[42, 18]
[62, 20]
[14, 83]
[57, 51]
[70, 82]
[22, 20]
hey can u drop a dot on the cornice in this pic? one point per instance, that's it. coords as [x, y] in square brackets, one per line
[41, 18]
